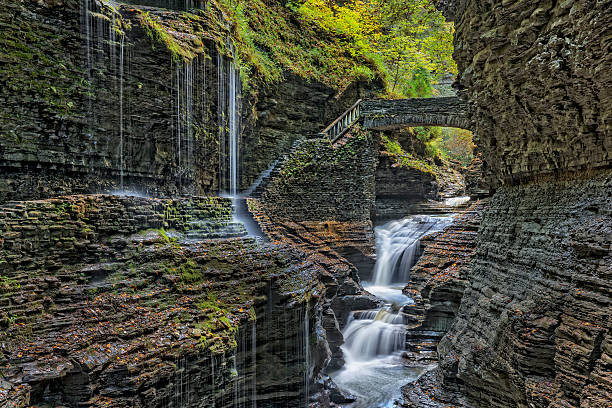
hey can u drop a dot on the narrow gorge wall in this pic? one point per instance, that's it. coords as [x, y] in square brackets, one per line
[533, 327]
[536, 74]
[106, 301]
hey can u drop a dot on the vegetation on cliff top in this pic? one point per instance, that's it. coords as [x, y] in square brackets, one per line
[400, 41]
[406, 43]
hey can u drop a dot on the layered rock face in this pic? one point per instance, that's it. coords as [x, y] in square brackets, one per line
[438, 280]
[533, 327]
[96, 103]
[399, 191]
[103, 307]
[98, 96]
[536, 74]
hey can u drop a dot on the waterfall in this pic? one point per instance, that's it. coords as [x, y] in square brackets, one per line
[185, 78]
[374, 339]
[228, 112]
[234, 128]
[456, 201]
[398, 246]
[372, 334]
[306, 356]
[254, 362]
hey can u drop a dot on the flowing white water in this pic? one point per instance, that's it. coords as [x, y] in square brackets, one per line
[398, 247]
[456, 201]
[306, 356]
[228, 112]
[374, 339]
[254, 363]
[234, 128]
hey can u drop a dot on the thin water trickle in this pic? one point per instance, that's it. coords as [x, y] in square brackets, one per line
[234, 127]
[306, 356]
[375, 339]
[121, 65]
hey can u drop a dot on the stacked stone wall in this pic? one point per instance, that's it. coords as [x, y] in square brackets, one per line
[321, 181]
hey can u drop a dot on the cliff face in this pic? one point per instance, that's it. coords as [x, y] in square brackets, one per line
[533, 327]
[101, 306]
[99, 96]
[89, 99]
[536, 74]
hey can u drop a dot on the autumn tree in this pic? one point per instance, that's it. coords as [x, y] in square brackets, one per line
[409, 39]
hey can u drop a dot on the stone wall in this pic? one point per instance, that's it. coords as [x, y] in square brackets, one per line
[449, 111]
[321, 181]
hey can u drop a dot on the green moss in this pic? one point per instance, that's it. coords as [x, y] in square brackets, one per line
[8, 284]
[404, 159]
[163, 235]
[218, 333]
[190, 272]
[160, 33]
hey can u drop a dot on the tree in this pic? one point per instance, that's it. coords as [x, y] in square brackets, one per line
[407, 38]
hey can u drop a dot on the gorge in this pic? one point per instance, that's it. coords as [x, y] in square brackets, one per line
[230, 203]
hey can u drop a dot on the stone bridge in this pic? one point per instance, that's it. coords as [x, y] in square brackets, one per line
[390, 114]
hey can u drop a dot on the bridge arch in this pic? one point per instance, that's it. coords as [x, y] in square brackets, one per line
[392, 114]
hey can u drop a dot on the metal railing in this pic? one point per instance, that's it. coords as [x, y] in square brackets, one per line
[341, 125]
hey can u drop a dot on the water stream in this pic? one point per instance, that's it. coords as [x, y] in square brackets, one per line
[374, 339]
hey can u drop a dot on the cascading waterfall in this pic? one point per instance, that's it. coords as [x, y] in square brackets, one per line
[184, 77]
[306, 336]
[398, 247]
[106, 47]
[234, 128]
[374, 339]
[254, 362]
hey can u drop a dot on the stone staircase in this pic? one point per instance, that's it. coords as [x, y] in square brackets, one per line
[259, 186]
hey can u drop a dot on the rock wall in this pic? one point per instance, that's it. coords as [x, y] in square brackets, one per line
[438, 280]
[99, 97]
[346, 251]
[533, 327]
[294, 109]
[100, 306]
[92, 104]
[399, 191]
[536, 76]
[321, 181]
